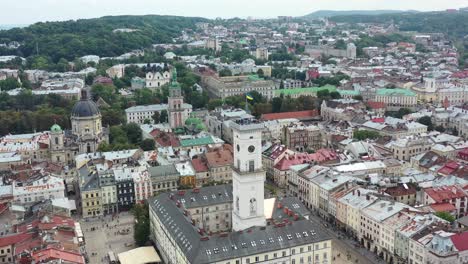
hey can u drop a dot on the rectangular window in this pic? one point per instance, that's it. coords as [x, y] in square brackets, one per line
[251, 166]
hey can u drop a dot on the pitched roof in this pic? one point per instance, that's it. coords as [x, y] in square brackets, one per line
[444, 193]
[50, 254]
[401, 190]
[220, 156]
[290, 160]
[13, 239]
[443, 207]
[199, 165]
[460, 241]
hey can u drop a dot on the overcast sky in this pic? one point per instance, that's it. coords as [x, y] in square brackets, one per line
[30, 11]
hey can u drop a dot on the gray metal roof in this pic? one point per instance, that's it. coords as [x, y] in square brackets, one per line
[88, 178]
[206, 196]
[235, 244]
[163, 170]
[85, 108]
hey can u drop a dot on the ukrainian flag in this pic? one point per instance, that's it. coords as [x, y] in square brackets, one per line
[249, 97]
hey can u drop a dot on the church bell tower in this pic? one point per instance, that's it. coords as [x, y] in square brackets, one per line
[248, 176]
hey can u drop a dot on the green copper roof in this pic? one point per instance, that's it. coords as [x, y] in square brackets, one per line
[196, 142]
[174, 83]
[395, 92]
[348, 92]
[330, 88]
[193, 120]
[56, 128]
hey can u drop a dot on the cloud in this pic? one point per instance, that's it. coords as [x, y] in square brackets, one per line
[27, 11]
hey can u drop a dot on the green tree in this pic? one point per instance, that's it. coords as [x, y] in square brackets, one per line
[106, 92]
[446, 216]
[365, 134]
[156, 117]
[133, 132]
[112, 117]
[147, 144]
[335, 95]
[323, 93]
[164, 118]
[426, 120]
[225, 72]
[358, 97]
[213, 103]
[340, 44]
[142, 224]
[276, 103]
[9, 84]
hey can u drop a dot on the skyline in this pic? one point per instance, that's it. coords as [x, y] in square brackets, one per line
[55, 10]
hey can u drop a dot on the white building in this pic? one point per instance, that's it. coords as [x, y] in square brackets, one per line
[156, 79]
[49, 187]
[138, 114]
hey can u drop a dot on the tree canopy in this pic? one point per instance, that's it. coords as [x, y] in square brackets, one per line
[70, 39]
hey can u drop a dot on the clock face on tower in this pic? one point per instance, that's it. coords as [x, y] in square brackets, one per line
[251, 148]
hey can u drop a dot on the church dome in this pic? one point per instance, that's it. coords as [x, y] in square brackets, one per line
[85, 107]
[56, 129]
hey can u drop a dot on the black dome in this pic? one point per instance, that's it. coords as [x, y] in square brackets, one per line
[85, 108]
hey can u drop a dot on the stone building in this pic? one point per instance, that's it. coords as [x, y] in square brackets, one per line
[86, 121]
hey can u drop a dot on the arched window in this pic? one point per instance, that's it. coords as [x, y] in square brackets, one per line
[253, 206]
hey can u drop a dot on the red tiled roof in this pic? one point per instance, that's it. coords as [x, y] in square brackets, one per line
[54, 221]
[28, 245]
[56, 254]
[165, 139]
[13, 239]
[401, 190]
[378, 120]
[442, 194]
[275, 151]
[376, 105]
[220, 157]
[324, 155]
[461, 74]
[199, 165]
[298, 114]
[449, 167]
[443, 207]
[460, 241]
[463, 151]
[291, 160]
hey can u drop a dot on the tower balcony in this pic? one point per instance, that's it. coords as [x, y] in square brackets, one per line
[247, 125]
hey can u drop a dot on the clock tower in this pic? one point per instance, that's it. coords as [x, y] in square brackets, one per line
[248, 176]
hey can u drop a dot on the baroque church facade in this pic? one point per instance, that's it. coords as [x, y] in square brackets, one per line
[85, 135]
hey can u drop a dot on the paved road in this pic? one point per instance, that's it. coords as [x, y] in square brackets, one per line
[102, 235]
[344, 249]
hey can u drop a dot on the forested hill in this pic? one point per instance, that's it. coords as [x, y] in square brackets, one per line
[71, 39]
[453, 24]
